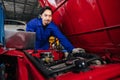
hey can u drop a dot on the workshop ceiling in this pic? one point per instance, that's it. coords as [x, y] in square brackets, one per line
[23, 10]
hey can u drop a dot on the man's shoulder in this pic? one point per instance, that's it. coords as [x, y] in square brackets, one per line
[34, 20]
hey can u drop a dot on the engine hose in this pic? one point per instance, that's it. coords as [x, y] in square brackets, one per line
[39, 65]
[90, 57]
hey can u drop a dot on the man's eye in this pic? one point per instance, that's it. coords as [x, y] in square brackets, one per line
[45, 15]
[50, 15]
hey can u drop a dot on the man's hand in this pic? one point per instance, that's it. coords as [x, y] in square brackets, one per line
[78, 50]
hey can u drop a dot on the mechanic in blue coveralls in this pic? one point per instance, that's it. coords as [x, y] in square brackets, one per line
[44, 28]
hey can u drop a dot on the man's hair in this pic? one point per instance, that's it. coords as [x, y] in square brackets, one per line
[45, 8]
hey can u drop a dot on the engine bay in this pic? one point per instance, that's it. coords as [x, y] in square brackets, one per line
[73, 63]
[52, 64]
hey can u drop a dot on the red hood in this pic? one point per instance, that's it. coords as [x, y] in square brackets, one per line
[93, 25]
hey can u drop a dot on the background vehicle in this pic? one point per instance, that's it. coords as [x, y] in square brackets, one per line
[14, 25]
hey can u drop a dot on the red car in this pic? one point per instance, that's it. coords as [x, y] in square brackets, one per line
[91, 24]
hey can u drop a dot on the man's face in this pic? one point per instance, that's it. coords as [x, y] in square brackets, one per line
[46, 17]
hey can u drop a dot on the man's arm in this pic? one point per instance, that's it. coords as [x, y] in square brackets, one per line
[63, 40]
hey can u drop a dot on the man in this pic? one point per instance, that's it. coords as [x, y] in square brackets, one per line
[44, 28]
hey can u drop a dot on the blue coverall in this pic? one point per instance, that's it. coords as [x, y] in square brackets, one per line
[42, 35]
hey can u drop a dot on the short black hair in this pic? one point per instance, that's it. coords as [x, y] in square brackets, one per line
[45, 8]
